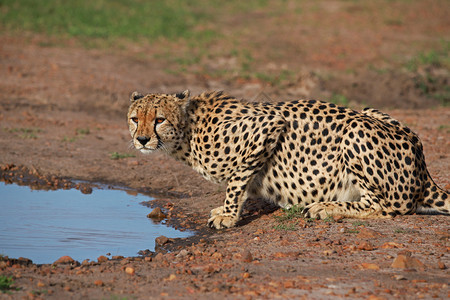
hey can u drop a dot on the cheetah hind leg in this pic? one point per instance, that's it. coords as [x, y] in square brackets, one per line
[365, 208]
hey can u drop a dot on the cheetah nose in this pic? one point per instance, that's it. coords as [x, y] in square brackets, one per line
[143, 140]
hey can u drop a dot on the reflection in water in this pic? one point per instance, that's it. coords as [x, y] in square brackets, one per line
[45, 225]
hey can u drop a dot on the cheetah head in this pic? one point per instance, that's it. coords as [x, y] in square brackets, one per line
[156, 121]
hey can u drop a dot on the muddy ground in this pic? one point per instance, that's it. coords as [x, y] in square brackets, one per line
[62, 115]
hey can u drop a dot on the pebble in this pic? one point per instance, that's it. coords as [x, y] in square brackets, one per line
[130, 270]
[102, 258]
[161, 240]
[370, 266]
[159, 257]
[66, 260]
[366, 233]
[86, 189]
[85, 262]
[247, 256]
[405, 261]
[183, 253]
[390, 245]
[366, 246]
[172, 277]
[99, 282]
[156, 214]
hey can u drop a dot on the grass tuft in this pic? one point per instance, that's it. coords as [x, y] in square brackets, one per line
[117, 155]
[6, 284]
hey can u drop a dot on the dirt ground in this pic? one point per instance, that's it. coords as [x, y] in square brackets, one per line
[51, 95]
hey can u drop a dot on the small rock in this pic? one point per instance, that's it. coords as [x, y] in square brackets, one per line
[247, 256]
[66, 260]
[366, 233]
[366, 246]
[391, 245]
[161, 240]
[441, 265]
[159, 257]
[86, 189]
[156, 214]
[172, 277]
[403, 261]
[289, 284]
[183, 253]
[399, 277]
[329, 252]
[133, 163]
[130, 270]
[102, 258]
[24, 261]
[370, 266]
[99, 282]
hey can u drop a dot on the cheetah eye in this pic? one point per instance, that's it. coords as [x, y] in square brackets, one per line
[159, 120]
[135, 119]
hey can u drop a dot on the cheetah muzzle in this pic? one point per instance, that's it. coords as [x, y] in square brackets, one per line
[331, 160]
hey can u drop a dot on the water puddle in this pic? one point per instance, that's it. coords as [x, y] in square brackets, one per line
[45, 225]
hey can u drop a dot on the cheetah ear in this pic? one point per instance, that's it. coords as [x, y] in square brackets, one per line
[135, 96]
[183, 95]
[183, 100]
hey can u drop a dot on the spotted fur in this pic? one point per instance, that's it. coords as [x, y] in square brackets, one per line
[329, 159]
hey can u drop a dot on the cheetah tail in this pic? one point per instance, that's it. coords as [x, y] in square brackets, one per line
[435, 199]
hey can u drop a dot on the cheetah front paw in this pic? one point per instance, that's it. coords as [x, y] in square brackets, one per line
[317, 211]
[220, 221]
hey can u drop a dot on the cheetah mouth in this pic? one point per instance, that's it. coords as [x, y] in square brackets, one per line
[146, 150]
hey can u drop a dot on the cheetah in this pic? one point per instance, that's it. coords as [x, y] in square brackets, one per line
[328, 159]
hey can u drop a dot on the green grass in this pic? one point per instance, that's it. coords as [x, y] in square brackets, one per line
[360, 223]
[83, 131]
[102, 19]
[185, 32]
[117, 155]
[79, 134]
[404, 230]
[290, 213]
[430, 58]
[113, 19]
[444, 127]
[6, 283]
[285, 227]
[287, 221]
[24, 133]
